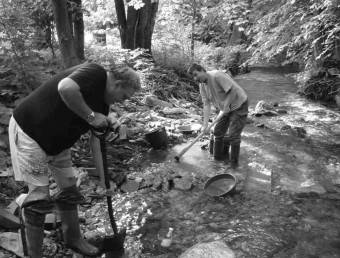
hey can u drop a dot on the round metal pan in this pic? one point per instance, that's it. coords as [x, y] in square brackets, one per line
[220, 185]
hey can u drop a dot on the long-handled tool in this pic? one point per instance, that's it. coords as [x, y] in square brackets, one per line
[179, 155]
[112, 246]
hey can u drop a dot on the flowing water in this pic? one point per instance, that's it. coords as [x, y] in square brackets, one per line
[289, 203]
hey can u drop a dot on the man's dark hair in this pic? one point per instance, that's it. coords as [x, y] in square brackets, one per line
[195, 67]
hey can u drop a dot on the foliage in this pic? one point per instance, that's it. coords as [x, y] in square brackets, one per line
[295, 31]
[219, 18]
[16, 31]
[321, 88]
[99, 14]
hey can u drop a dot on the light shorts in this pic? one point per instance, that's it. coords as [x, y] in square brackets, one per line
[30, 163]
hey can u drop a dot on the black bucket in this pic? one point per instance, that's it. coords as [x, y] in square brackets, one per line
[158, 138]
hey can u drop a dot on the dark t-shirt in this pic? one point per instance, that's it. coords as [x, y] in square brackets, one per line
[44, 116]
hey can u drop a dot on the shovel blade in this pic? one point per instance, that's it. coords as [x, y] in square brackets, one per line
[113, 246]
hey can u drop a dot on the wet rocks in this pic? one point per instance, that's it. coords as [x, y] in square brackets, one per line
[295, 131]
[264, 108]
[216, 249]
[184, 183]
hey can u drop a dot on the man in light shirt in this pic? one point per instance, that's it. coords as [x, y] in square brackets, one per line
[219, 89]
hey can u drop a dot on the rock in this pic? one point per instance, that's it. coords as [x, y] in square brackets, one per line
[8, 220]
[183, 183]
[5, 115]
[130, 186]
[261, 125]
[263, 108]
[300, 131]
[4, 141]
[151, 100]
[13, 208]
[295, 131]
[173, 111]
[5, 72]
[337, 100]
[6, 173]
[12, 242]
[282, 111]
[216, 249]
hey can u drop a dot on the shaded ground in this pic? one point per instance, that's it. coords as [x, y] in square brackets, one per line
[289, 204]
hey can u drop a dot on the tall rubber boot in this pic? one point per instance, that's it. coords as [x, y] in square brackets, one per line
[226, 147]
[211, 144]
[234, 154]
[71, 231]
[218, 149]
[34, 229]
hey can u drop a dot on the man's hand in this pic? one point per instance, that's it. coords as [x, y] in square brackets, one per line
[100, 121]
[205, 129]
[113, 121]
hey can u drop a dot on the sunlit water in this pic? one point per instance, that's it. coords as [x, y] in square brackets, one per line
[252, 222]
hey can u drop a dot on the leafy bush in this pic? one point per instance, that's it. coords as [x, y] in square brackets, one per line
[15, 38]
[294, 31]
[324, 88]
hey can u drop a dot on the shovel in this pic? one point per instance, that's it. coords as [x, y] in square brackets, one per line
[179, 155]
[112, 246]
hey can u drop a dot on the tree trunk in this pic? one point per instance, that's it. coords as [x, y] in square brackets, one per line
[130, 31]
[64, 33]
[192, 45]
[136, 28]
[78, 30]
[121, 17]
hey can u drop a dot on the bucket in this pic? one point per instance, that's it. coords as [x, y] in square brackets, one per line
[158, 138]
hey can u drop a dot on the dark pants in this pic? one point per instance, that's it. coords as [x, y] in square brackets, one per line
[233, 123]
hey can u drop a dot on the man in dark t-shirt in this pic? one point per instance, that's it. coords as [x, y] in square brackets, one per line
[44, 127]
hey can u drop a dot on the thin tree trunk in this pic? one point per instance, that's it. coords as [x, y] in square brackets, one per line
[64, 33]
[146, 23]
[193, 32]
[49, 39]
[78, 30]
[131, 26]
[121, 17]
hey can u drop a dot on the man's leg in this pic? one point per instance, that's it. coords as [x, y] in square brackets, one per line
[67, 200]
[237, 122]
[30, 165]
[34, 209]
[219, 131]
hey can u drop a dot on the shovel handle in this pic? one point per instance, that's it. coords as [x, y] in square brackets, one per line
[107, 185]
[179, 155]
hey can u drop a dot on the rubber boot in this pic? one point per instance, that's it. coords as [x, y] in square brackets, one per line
[211, 144]
[218, 149]
[34, 229]
[226, 147]
[71, 231]
[234, 154]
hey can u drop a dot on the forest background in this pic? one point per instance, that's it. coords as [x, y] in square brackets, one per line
[40, 37]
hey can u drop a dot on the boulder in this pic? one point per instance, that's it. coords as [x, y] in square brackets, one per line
[215, 249]
[263, 108]
[337, 99]
[151, 100]
[184, 183]
[8, 220]
[12, 242]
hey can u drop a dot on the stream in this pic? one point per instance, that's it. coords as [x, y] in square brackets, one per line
[289, 203]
